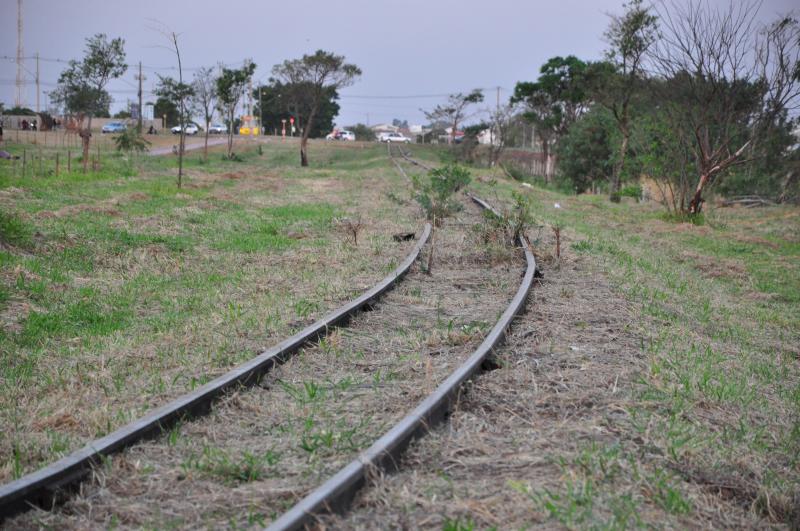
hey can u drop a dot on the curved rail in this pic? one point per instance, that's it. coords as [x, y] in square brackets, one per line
[41, 487]
[336, 494]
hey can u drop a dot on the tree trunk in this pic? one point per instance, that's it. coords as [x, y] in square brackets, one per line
[230, 134]
[623, 150]
[205, 146]
[304, 138]
[696, 204]
[791, 177]
[86, 136]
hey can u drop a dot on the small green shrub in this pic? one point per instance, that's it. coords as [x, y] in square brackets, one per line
[634, 191]
[435, 193]
[14, 231]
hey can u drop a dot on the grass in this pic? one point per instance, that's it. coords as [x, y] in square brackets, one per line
[717, 400]
[119, 291]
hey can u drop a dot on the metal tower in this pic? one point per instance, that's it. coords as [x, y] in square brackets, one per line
[20, 96]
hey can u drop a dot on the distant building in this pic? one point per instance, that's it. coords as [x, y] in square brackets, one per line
[384, 128]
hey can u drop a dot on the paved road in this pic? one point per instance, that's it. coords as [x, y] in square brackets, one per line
[187, 147]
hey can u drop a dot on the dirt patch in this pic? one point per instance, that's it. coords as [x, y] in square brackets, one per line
[716, 267]
[74, 210]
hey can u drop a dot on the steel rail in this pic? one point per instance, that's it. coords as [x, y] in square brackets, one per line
[42, 486]
[337, 492]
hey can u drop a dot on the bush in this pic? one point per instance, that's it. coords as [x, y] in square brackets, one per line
[435, 194]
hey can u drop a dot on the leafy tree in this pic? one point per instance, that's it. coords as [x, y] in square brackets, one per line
[618, 80]
[81, 87]
[231, 85]
[311, 79]
[453, 112]
[586, 151]
[20, 111]
[280, 101]
[362, 132]
[204, 99]
[168, 108]
[555, 101]
[122, 115]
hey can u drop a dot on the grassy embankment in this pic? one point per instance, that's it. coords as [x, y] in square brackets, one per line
[119, 291]
[713, 418]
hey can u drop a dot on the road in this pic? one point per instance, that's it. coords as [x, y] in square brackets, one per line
[188, 147]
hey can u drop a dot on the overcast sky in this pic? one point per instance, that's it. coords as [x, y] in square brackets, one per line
[412, 52]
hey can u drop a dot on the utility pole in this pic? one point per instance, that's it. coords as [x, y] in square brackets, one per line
[20, 95]
[37, 82]
[139, 123]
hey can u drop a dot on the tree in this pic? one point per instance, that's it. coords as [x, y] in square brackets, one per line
[586, 151]
[122, 115]
[727, 83]
[279, 101]
[81, 87]
[453, 112]
[555, 101]
[617, 80]
[231, 85]
[166, 107]
[501, 123]
[204, 100]
[177, 93]
[311, 78]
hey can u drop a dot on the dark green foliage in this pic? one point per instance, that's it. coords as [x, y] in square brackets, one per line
[81, 87]
[280, 101]
[165, 107]
[131, 141]
[19, 111]
[586, 153]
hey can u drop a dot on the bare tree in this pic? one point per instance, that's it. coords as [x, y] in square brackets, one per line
[726, 80]
[204, 99]
[311, 78]
[501, 124]
[178, 91]
[454, 111]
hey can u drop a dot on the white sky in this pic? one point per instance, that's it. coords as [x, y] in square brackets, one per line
[419, 50]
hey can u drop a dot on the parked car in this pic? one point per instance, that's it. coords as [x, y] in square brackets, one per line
[114, 127]
[191, 129]
[217, 129]
[346, 135]
[394, 137]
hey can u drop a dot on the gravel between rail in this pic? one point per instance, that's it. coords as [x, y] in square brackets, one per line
[260, 451]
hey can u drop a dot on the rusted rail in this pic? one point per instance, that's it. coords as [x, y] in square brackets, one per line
[336, 494]
[42, 487]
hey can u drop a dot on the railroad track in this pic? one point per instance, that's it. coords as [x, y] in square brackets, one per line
[443, 317]
[44, 486]
[336, 494]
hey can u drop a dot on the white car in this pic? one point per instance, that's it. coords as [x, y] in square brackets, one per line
[394, 137]
[217, 129]
[191, 129]
[346, 135]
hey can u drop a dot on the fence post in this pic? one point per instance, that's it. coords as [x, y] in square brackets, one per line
[56, 163]
[69, 161]
[24, 161]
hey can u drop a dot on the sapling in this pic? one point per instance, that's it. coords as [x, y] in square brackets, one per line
[434, 195]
